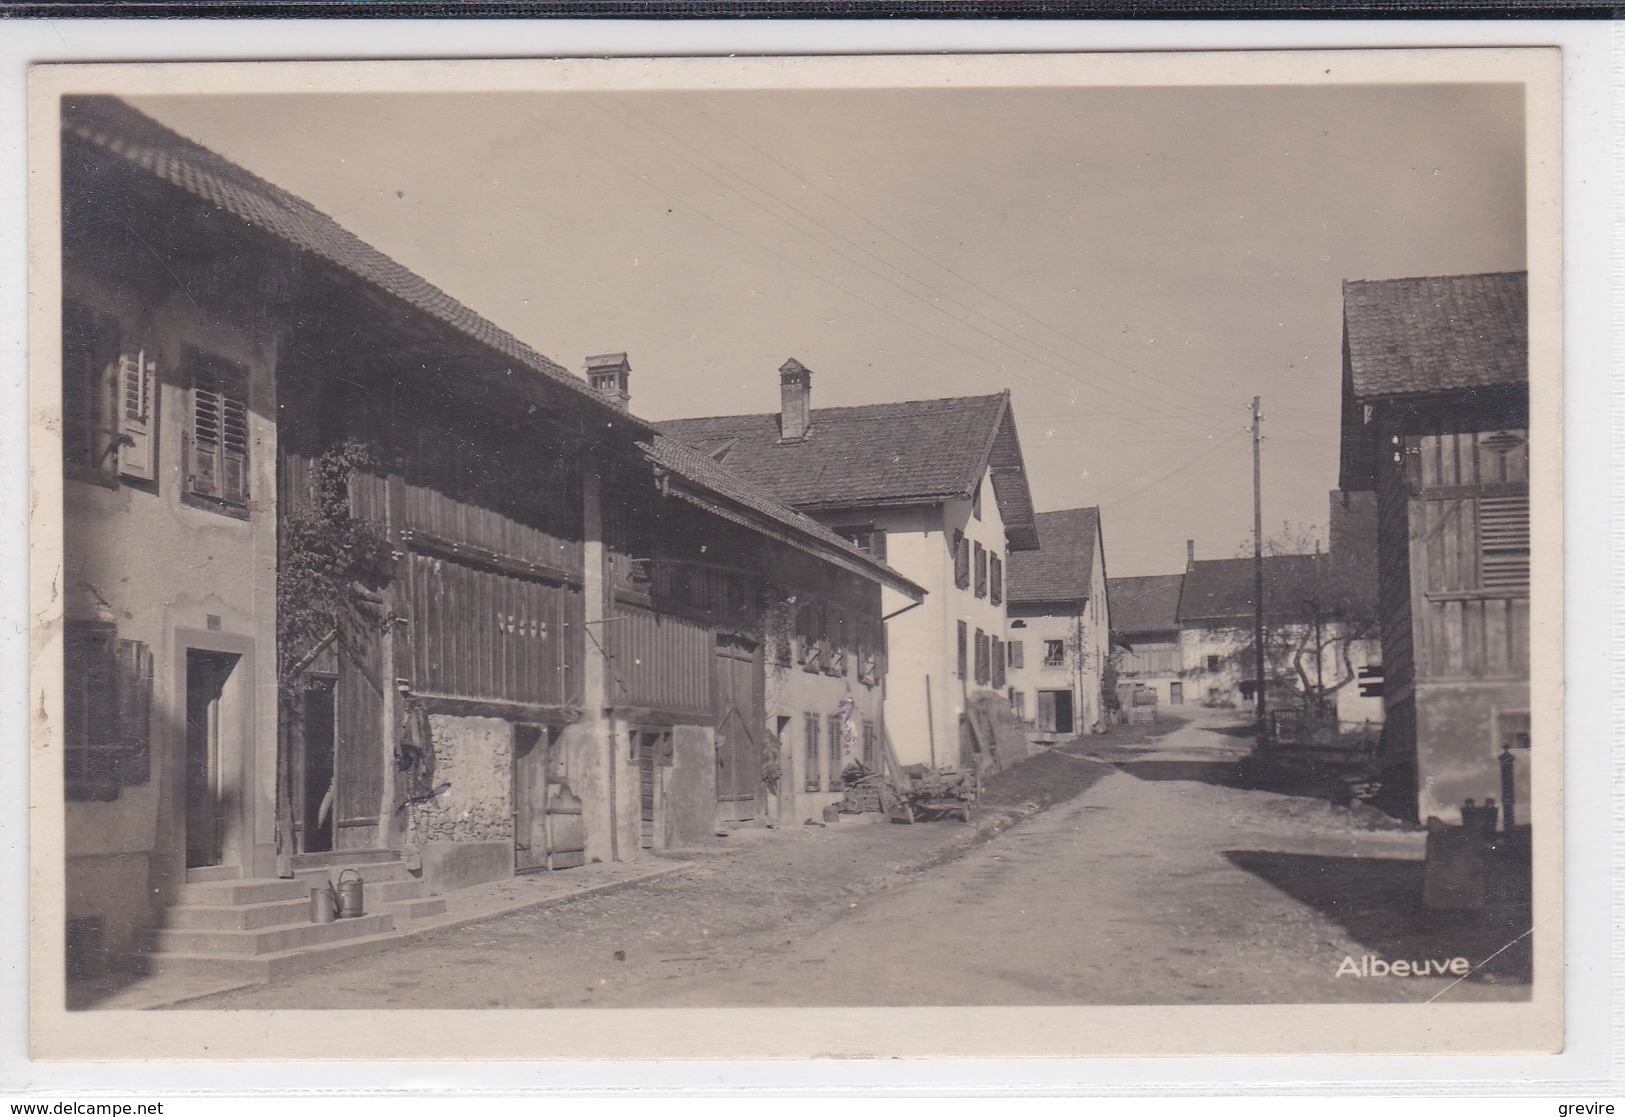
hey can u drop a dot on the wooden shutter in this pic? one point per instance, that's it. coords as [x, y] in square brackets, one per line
[981, 571]
[134, 689]
[868, 744]
[837, 751]
[137, 407]
[998, 663]
[981, 657]
[995, 579]
[1046, 710]
[1015, 653]
[961, 560]
[964, 638]
[810, 773]
[877, 543]
[219, 443]
[1503, 542]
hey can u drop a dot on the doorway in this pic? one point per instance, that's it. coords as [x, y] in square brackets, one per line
[740, 724]
[206, 789]
[549, 826]
[1176, 694]
[317, 789]
[1055, 711]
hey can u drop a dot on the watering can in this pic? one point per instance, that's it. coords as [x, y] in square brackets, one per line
[349, 894]
[324, 904]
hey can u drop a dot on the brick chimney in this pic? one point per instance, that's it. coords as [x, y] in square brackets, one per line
[609, 373]
[1190, 553]
[795, 400]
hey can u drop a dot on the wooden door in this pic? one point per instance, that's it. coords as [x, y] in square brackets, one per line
[647, 743]
[740, 725]
[315, 792]
[549, 829]
[206, 795]
[530, 762]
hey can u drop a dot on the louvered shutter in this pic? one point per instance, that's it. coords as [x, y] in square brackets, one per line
[136, 419]
[134, 688]
[810, 780]
[219, 435]
[1503, 538]
[964, 639]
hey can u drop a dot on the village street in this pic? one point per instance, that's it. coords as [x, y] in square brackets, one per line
[1159, 882]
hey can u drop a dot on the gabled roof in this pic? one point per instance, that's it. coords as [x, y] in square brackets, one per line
[1062, 567]
[1145, 604]
[747, 504]
[1436, 334]
[120, 130]
[917, 452]
[1222, 589]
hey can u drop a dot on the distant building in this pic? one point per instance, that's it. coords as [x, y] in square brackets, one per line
[1316, 634]
[1145, 625]
[1060, 626]
[1435, 424]
[935, 487]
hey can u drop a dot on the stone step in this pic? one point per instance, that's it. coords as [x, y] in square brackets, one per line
[392, 890]
[213, 872]
[237, 917]
[371, 874]
[418, 907]
[359, 858]
[266, 940]
[262, 967]
[259, 891]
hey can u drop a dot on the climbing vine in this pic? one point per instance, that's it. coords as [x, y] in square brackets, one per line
[329, 565]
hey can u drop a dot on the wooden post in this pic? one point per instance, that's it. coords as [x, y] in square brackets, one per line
[594, 668]
[388, 671]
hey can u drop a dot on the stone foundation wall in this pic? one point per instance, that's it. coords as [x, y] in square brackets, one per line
[475, 756]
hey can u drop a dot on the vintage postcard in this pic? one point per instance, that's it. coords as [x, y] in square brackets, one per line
[972, 556]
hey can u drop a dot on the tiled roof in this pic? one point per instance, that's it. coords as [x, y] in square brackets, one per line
[703, 472]
[1145, 604]
[119, 129]
[892, 453]
[1436, 334]
[1063, 566]
[1222, 589]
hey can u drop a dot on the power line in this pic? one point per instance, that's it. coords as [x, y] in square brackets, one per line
[859, 263]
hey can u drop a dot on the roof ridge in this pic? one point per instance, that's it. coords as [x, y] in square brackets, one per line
[1441, 278]
[848, 407]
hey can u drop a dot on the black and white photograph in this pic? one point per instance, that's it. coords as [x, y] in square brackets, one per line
[928, 535]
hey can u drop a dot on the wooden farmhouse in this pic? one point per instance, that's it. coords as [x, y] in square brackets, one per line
[936, 488]
[354, 577]
[1435, 423]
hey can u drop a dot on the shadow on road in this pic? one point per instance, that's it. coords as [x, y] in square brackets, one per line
[1379, 902]
[1218, 773]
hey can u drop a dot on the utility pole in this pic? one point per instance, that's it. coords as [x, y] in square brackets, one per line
[1258, 575]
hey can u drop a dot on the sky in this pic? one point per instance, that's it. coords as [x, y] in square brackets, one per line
[1133, 264]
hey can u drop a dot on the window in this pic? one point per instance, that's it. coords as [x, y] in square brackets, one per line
[810, 775]
[869, 539]
[869, 743]
[107, 711]
[995, 579]
[837, 750]
[1503, 542]
[1054, 653]
[1015, 654]
[217, 436]
[109, 398]
[997, 680]
[1212, 663]
[1018, 703]
[964, 639]
[961, 560]
[982, 657]
[981, 571]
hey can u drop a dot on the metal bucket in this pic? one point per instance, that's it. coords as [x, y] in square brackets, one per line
[323, 904]
[350, 894]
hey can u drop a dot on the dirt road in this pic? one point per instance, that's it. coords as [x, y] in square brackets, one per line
[1161, 882]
